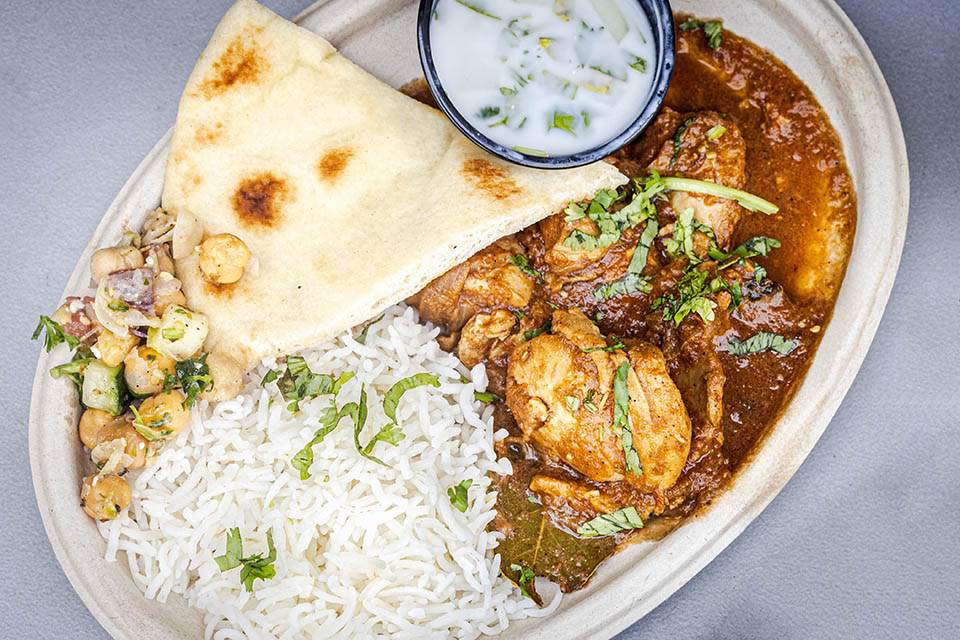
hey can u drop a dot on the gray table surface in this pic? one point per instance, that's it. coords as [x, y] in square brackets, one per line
[862, 543]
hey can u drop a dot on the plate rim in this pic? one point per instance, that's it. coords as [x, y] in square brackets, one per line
[613, 620]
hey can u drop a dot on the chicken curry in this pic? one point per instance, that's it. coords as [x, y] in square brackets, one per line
[640, 345]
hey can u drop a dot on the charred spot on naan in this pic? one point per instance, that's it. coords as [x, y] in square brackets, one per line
[239, 64]
[258, 201]
[489, 178]
[333, 162]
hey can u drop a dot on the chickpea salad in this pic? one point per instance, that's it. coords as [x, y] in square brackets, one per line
[138, 358]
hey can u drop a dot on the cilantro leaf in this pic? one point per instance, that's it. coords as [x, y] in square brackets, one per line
[610, 523]
[53, 334]
[761, 341]
[194, 376]
[525, 575]
[269, 377]
[458, 495]
[522, 263]
[75, 368]
[713, 30]
[573, 402]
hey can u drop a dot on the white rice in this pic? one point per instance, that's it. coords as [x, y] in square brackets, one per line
[363, 550]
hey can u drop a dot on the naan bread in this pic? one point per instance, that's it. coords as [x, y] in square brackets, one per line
[350, 195]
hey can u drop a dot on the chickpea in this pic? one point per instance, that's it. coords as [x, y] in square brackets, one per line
[135, 445]
[91, 423]
[144, 368]
[164, 414]
[113, 348]
[103, 497]
[109, 260]
[222, 258]
[160, 303]
[227, 378]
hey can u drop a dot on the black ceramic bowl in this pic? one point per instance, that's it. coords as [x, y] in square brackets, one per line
[661, 22]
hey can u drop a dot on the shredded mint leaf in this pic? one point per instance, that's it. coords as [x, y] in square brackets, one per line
[53, 334]
[677, 137]
[458, 495]
[533, 333]
[617, 344]
[621, 418]
[231, 558]
[329, 420]
[609, 523]
[392, 398]
[362, 338]
[299, 383]
[486, 397]
[761, 341]
[489, 112]
[255, 566]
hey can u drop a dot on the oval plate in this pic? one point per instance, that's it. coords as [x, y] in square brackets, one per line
[819, 43]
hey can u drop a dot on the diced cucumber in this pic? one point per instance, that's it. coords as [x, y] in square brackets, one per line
[104, 387]
[181, 333]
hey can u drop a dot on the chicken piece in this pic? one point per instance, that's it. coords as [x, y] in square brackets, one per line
[695, 154]
[565, 261]
[574, 494]
[488, 280]
[481, 332]
[563, 401]
[691, 351]
[658, 419]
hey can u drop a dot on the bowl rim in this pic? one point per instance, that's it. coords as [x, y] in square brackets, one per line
[660, 15]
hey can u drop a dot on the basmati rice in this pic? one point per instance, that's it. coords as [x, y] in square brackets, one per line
[363, 550]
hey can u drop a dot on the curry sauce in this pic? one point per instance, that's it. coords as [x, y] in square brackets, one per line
[793, 158]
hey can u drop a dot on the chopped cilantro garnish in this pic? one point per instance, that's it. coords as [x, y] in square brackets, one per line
[713, 30]
[194, 376]
[523, 263]
[53, 334]
[525, 575]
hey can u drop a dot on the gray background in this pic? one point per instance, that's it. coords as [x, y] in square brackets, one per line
[863, 541]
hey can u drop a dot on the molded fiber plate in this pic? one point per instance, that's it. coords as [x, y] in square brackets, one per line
[817, 41]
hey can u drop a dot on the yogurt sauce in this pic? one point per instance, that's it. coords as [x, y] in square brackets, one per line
[544, 77]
